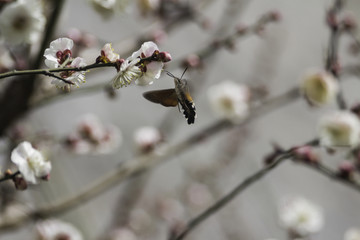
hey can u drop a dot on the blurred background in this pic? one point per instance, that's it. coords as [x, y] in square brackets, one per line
[270, 62]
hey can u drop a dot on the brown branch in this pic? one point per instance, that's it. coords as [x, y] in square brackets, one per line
[193, 223]
[9, 176]
[15, 99]
[332, 55]
[328, 172]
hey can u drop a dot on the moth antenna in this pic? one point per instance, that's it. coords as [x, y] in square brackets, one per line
[183, 72]
[170, 74]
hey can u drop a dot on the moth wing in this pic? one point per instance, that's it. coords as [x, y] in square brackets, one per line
[165, 97]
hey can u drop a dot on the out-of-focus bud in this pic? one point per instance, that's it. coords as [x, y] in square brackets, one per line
[306, 154]
[241, 29]
[164, 57]
[349, 22]
[275, 16]
[192, 61]
[346, 170]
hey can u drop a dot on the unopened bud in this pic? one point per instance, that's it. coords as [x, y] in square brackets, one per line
[192, 61]
[306, 154]
[349, 23]
[275, 16]
[118, 64]
[346, 170]
[332, 20]
[164, 57]
[241, 29]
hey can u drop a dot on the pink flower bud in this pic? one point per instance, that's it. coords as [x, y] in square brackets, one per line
[306, 154]
[164, 57]
[346, 170]
[275, 15]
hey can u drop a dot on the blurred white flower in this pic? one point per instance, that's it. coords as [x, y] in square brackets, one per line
[229, 100]
[128, 73]
[147, 6]
[319, 87]
[30, 162]
[53, 229]
[339, 129]
[22, 21]
[199, 196]
[140, 220]
[108, 54]
[146, 138]
[122, 234]
[59, 51]
[153, 69]
[106, 8]
[171, 210]
[352, 234]
[299, 216]
[92, 136]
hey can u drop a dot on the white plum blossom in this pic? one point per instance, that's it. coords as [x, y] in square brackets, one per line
[59, 56]
[339, 129]
[299, 216]
[54, 54]
[229, 100]
[106, 8]
[319, 87]
[128, 73]
[171, 210]
[352, 234]
[123, 233]
[30, 162]
[146, 138]
[107, 52]
[53, 229]
[22, 21]
[153, 69]
[142, 67]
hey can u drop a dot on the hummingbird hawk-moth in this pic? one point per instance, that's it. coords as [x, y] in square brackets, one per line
[173, 97]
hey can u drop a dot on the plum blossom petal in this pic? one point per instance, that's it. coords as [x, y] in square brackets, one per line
[339, 129]
[30, 162]
[229, 100]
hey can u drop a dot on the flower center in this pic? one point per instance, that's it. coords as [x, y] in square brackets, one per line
[62, 236]
[19, 22]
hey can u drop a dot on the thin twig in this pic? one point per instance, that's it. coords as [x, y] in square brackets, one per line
[60, 78]
[9, 176]
[332, 55]
[192, 224]
[328, 172]
[46, 71]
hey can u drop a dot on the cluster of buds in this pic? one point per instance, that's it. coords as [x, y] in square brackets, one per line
[92, 136]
